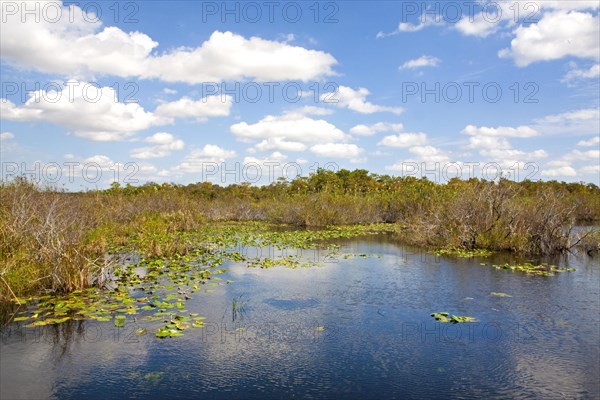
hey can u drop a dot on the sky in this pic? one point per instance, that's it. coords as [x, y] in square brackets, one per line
[227, 92]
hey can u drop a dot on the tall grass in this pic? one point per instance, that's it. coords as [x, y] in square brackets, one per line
[58, 241]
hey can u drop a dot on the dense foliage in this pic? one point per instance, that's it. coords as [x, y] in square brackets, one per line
[59, 241]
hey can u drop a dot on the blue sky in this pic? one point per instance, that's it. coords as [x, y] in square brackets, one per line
[185, 91]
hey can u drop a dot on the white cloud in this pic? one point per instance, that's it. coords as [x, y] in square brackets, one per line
[78, 47]
[564, 170]
[595, 141]
[370, 130]
[489, 142]
[586, 114]
[91, 166]
[163, 143]
[266, 169]
[521, 131]
[509, 156]
[477, 26]
[6, 136]
[404, 140]
[288, 128]
[161, 138]
[492, 143]
[274, 158]
[576, 123]
[169, 91]
[210, 106]
[574, 74]
[577, 155]
[227, 56]
[406, 27]
[196, 160]
[556, 35]
[280, 144]
[430, 154]
[423, 61]
[337, 150]
[355, 100]
[89, 112]
[590, 169]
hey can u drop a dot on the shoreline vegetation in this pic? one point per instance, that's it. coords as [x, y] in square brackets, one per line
[54, 241]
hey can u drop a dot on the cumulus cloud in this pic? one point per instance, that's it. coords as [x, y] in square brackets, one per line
[407, 27]
[105, 118]
[281, 144]
[576, 122]
[355, 100]
[586, 114]
[404, 140]
[575, 74]
[197, 159]
[201, 110]
[6, 136]
[163, 144]
[590, 169]
[93, 112]
[510, 155]
[78, 47]
[563, 28]
[370, 130]
[558, 168]
[558, 34]
[588, 155]
[337, 150]
[492, 143]
[595, 141]
[521, 131]
[228, 56]
[288, 132]
[430, 153]
[477, 26]
[423, 61]
[565, 170]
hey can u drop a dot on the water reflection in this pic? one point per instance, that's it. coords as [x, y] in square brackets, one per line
[357, 327]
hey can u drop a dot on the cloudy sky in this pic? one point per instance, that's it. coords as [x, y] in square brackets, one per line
[185, 91]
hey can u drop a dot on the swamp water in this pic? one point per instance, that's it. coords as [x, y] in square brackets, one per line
[360, 325]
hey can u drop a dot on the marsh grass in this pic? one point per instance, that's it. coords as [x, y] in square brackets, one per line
[54, 241]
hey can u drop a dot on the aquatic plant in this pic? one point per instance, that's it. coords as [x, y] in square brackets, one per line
[443, 316]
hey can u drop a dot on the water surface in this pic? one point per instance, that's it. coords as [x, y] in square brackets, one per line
[355, 327]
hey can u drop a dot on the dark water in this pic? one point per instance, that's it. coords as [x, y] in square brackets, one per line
[377, 338]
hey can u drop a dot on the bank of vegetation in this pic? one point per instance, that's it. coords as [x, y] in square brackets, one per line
[60, 241]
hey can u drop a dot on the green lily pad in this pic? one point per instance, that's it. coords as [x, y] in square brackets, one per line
[141, 331]
[120, 321]
[455, 319]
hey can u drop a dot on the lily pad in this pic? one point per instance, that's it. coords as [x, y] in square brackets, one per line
[141, 331]
[455, 319]
[120, 321]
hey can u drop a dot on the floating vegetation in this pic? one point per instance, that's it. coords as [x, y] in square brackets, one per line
[141, 331]
[500, 294]
[443, 316]
[120, 321]
[531, 269]
[463, 253]
[158, 287]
